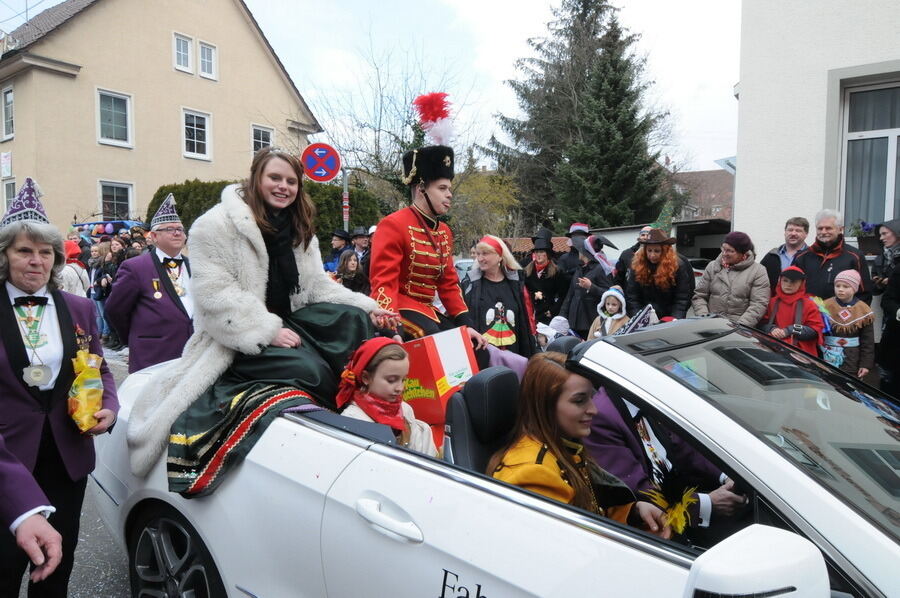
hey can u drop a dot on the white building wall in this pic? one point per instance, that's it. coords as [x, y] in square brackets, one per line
[796, 57]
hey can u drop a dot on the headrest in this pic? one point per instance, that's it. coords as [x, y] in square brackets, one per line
[492, 397]
[563, 344]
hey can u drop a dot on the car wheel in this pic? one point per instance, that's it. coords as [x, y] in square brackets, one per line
[167, 559]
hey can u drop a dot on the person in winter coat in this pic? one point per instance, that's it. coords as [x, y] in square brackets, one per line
[350, 274]
[74, 276]
[591, 279]
[259, 289]
[624, 261]
[611, 315]
[546, 284]
[792, 316]
[830, 255]
[340, 244]
[659, 277]
[795, 232]
[889, 347]
[497, 299]
[884, 264]
[571, 260]
[733, 284]
[850, 342]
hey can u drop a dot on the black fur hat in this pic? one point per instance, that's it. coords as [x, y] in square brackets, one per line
[427, 164]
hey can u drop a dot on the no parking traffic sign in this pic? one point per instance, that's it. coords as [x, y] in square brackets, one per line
[321, 162]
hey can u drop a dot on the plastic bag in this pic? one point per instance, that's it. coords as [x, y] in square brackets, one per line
[86, 394]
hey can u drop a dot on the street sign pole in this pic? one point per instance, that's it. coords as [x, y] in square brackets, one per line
[345, 202]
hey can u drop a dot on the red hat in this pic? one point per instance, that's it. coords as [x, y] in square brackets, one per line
[350, 377]
[71, 249]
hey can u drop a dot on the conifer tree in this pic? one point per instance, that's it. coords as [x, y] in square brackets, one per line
[580, 152]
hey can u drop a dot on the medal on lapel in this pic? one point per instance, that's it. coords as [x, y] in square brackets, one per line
[36, 375]
[156, 294]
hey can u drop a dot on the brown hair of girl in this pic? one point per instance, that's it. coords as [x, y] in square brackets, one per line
[302, 211]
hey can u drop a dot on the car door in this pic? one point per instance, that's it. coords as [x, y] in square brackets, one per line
[398, 524]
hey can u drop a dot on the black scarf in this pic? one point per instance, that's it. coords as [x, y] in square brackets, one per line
[284, 279]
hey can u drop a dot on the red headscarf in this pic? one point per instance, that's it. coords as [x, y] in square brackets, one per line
[350, 389]
[787, 310]
[73, 251]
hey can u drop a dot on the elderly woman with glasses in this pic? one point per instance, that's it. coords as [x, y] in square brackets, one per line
[42, 328]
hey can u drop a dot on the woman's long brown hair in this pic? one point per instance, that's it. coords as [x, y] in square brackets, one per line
[539, 394]
[302, 211]
[664, 276]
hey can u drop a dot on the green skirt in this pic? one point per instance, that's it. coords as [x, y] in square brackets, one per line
[219, 428]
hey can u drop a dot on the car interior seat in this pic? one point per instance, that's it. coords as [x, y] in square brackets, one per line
[480, 417]
[563, 344]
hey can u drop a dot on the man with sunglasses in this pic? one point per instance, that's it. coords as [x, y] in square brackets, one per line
[151, 304]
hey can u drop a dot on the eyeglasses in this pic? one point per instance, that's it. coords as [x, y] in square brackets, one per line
[171, 230]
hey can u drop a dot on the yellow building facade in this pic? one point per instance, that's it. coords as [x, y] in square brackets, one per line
[104, 101]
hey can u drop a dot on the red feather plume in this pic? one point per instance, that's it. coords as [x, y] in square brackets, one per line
[432, 106]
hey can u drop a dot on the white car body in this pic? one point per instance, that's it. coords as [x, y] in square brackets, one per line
[317, 511]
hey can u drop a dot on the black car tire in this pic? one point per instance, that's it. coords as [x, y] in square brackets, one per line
[167, 558]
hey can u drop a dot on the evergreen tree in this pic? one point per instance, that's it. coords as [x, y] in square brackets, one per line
[581, 150]
[607, 175]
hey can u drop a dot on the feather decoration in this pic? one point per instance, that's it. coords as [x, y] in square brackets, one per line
[823, 312]
[434, 116]
[677, 514]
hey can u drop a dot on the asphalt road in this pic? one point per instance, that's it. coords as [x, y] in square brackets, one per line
[101, 567]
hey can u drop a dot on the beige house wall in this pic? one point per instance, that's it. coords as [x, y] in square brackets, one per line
[126, 46]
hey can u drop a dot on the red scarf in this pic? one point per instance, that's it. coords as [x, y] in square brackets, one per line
[787, 309]
[381, 410]
[539, 268]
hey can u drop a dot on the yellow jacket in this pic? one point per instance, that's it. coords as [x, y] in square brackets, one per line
[530, 465]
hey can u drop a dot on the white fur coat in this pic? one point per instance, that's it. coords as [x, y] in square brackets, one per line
[230, 269]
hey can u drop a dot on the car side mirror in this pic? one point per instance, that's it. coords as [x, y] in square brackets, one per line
[759, 560]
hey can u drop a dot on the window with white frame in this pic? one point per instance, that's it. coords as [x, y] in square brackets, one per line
[9, 125]
[115, 200]
[262, 137]
[208, 67]
[197, 138]
[183, 46]
[871, 162]
[9, 191]
[114, 118]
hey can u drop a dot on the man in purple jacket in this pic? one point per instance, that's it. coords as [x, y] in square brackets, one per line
[636, 448]
[41, 329]
[151, 306]
[23, 510]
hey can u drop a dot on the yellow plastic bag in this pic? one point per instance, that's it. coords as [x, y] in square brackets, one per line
[86, 394]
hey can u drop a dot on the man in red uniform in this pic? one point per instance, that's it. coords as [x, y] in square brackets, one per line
[412, 254]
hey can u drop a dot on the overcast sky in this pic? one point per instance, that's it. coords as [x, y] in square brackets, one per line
[692, 51]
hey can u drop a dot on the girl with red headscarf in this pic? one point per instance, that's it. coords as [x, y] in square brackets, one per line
[371, 389]
[792, 316]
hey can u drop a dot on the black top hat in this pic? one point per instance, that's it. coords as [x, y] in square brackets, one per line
[427, 164]
[359, 231]
[657, 237]
[341, 234]
[543, 244]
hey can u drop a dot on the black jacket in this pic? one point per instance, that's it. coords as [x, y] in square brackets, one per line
[478, 309]
[624, 264]
[568, 263]
[772, 263]
[580, 305]
[553, 293]
[822, 264]
[673, 301]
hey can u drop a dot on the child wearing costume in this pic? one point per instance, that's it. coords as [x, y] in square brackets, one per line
[792, 316]
[851, 344]
[371, 389]
[611, 314]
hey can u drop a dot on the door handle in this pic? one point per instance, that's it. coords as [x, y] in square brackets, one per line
[370, 510]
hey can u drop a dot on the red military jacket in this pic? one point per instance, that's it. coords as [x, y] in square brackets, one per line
[410, 263]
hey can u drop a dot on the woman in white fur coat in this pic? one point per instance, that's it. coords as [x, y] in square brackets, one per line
[255, 262]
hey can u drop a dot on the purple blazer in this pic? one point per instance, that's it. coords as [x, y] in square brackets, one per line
[24, 410]
[618, 449]
[155, 329]
[19, 493]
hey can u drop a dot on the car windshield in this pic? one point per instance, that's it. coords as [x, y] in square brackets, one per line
[846, 435]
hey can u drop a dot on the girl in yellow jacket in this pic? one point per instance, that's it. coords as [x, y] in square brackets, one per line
[546, 455]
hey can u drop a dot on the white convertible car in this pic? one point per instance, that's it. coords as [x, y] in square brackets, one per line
[327, 506]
